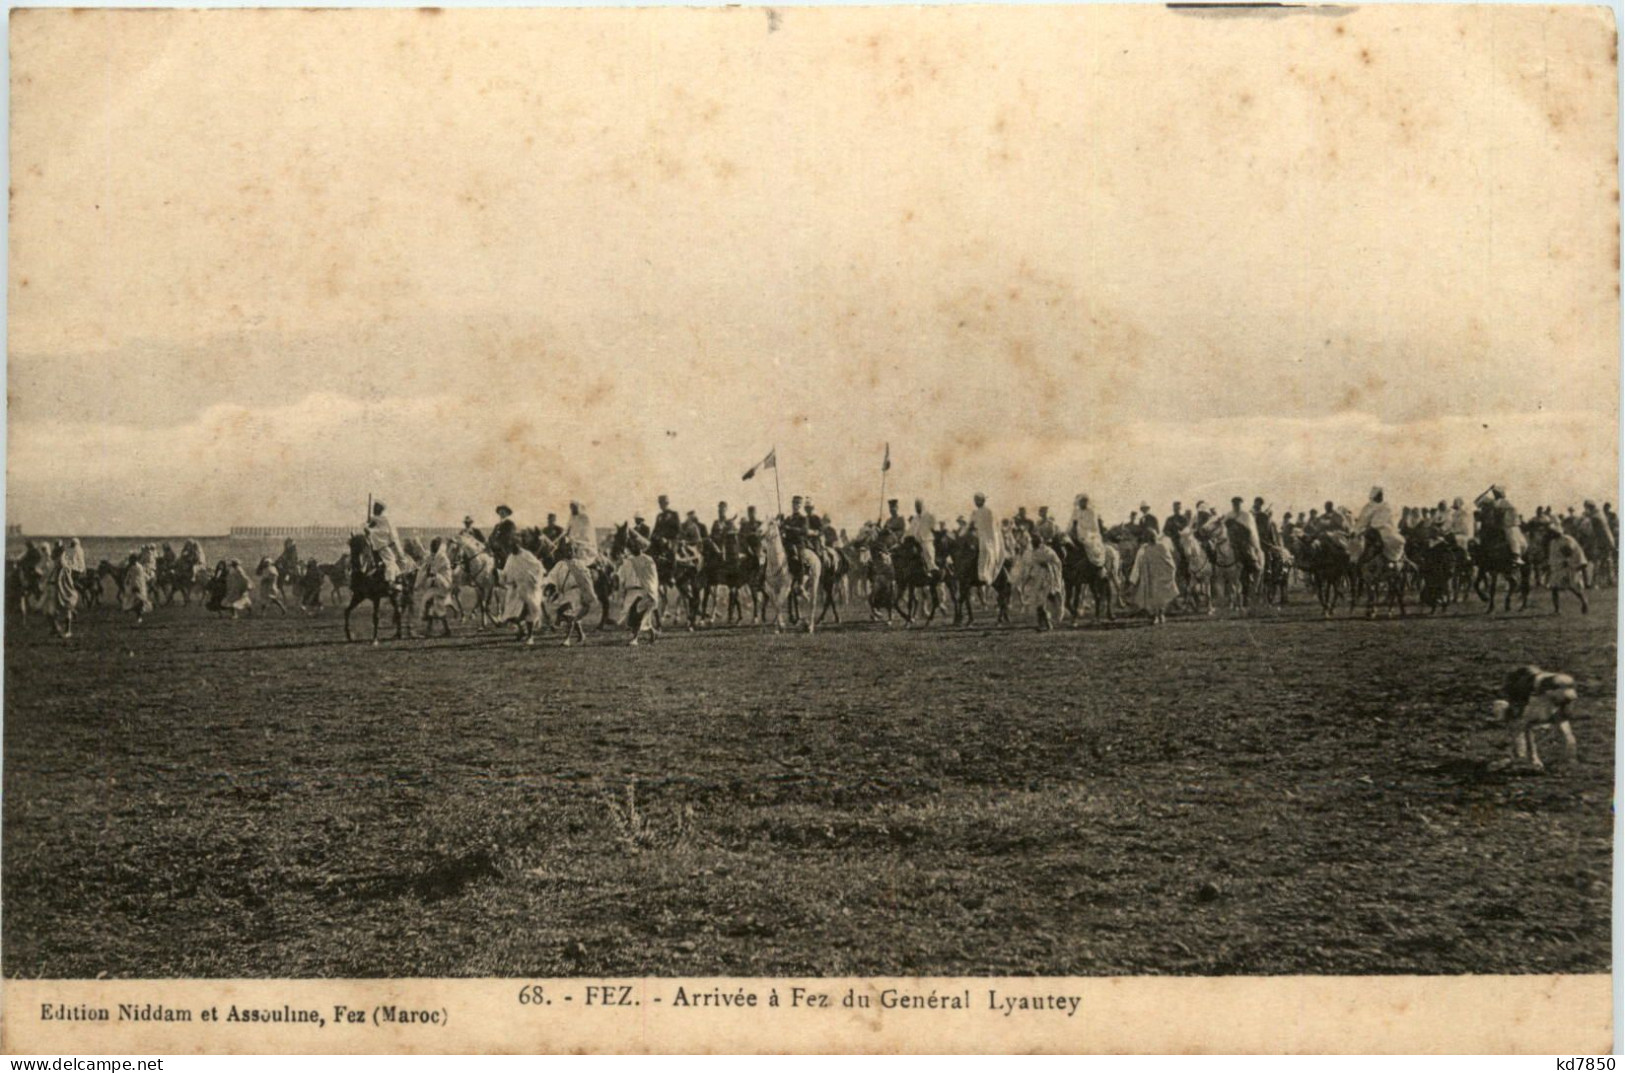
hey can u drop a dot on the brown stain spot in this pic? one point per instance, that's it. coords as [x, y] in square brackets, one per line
[1245, 99]
[1338, 31]
[1365, 56]
[22, 281]
[516, 432]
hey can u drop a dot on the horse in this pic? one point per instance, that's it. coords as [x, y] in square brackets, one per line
[176, 577]
[880, 584]
[779, 585]
[90, 588]
[26, 578]
[605, 584]
[289, 568]
[109, 571]
[857, 555]
[1434, 554]
[309, 581]
[368, 582]
[1493, 562]
[679, 570]
[1197, 574]
[1079, 574]
[912, 577]
[1277, 575]
[1382, 575]
[1329, 563]
[964, 568]
[476, 568]
[337, 574]
[188, 573]
[726, 568]
[1234, 565]
[808, 584]
[831, 582]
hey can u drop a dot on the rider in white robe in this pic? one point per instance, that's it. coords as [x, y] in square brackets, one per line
[1243, 517]
[1085, 530]
[989, 546]
[73, 557]
[384, 542]
[923, 528]
[202, 556]
[138, 577]
[239, 590]
[1378, 515]
[581, 535]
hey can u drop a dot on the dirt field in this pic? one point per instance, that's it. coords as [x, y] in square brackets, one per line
[1277, 795]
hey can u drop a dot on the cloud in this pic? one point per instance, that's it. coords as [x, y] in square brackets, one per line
[434, 458]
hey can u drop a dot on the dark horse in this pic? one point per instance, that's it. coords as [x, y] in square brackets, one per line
[836, 568]
[913, 577]
[367, 582]
[1079, 574]
[1494, 561]
[963, 570]
[728, 566]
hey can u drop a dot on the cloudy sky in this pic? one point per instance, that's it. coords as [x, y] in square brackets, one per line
[265, 263]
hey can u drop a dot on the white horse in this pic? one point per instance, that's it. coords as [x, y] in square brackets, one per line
[476, 568]
[1198, 573]
[779, 585]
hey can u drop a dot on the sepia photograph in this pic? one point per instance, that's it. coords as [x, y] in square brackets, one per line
[1013, 495]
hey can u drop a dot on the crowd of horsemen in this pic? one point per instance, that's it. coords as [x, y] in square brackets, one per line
[797, 567]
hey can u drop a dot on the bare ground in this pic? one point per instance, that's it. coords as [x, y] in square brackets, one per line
[1275, 795]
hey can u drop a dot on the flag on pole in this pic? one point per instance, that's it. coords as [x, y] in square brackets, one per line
[885, 463]
[770, 462]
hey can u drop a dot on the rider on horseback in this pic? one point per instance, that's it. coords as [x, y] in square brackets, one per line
[583, 541]
[1088, 531]
[893, 526]
[691, 541]
[1504, 516]
[1269, 537]
[793, 533]
[504, 537]
[725, 536]
[750, 531]
[383, 542]
[1375, 526]
[1044, 529]
[663, 538]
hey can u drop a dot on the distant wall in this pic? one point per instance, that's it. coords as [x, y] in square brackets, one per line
[246, 542]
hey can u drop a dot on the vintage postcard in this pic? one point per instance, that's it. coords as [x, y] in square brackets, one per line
[1045, 528]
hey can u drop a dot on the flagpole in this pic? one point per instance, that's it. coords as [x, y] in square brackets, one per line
[880, 516]
[777, 496]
